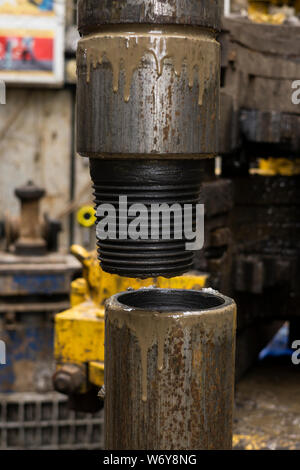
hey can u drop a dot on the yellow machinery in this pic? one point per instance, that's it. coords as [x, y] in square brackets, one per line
[79, 331]
[271, 11]
[277, 166]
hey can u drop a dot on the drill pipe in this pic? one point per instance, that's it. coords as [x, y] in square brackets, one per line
[147, 94]
[169, 369]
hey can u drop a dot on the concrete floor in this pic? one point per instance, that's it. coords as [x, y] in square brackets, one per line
[267, 406]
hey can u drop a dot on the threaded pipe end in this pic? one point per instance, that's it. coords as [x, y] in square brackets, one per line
[146, 182]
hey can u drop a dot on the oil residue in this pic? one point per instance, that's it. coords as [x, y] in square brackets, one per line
[153, 327]
[148, 328]
[125, 51]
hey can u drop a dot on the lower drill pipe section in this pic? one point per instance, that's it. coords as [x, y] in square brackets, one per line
[169, 369]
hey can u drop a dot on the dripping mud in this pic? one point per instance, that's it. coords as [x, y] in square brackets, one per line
[197, 50]
[152, 327]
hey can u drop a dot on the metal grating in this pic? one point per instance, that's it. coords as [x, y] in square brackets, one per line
[44, 421]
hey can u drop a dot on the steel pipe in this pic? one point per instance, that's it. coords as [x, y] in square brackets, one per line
[148, 89]
[95, 13]
[169, 369]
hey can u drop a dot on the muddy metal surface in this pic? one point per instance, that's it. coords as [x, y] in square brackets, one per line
[267, 407]
[155, 397]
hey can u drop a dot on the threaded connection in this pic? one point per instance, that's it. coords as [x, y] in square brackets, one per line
[146, 182]
[170, 300]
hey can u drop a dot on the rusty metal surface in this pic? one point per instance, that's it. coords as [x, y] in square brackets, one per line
[92, 13]
[169, 370]
[165, 113]
[147, 92]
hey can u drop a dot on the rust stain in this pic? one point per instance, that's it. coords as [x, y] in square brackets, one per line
[152, 327]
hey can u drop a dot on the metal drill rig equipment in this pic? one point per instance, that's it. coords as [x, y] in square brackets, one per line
[147, 116]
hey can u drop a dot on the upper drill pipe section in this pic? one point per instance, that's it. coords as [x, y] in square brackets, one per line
[148, 88]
